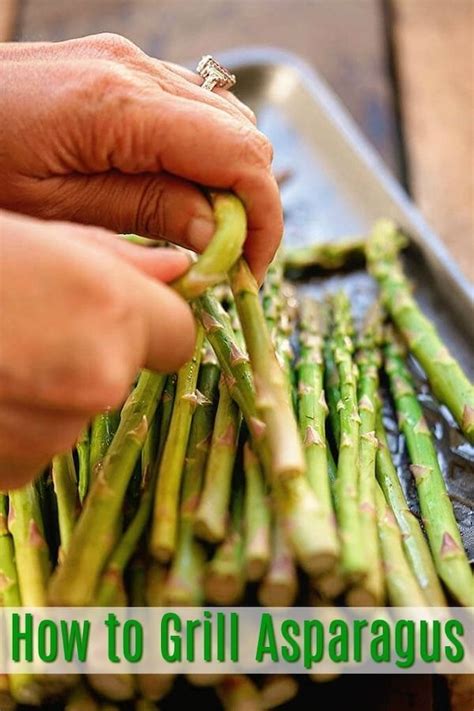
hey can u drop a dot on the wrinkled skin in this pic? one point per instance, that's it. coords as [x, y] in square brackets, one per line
[94, 131]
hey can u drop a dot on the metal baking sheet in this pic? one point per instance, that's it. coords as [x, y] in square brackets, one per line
[337, 187]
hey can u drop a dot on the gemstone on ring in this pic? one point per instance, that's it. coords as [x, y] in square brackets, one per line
[214, 74]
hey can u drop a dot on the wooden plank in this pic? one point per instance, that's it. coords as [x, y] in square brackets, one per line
[434, 42]
[343, 40]
[7, 19]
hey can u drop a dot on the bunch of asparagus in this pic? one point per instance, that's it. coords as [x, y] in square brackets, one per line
[265, 456]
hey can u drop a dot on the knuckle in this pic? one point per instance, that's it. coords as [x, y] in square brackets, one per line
[256, 147]
[114, 46]
[112, 387]
[151, 209]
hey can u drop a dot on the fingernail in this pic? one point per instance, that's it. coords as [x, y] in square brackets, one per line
[199, 233]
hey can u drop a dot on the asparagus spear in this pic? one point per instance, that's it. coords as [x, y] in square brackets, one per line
[184, 584]
[279, 586]
[212, 512]
[414, 542]
[272, 397]
[295, 500]
[31, 552]
[9, 588]
[327, 255]
[371, 590]
[352, 550]
[93, 536]
[225, 578]
[332, 387]
[21, 688]
[67, 495]
[222, 252]
[83, 447]
[436, 508]
[402, 586]
[165, 413]
[152, 686]
[111, 582]
[448, 382]
[165, 514]
[103, 429]
[257, 518]
[312, 410]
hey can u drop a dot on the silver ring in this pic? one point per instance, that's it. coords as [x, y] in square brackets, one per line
[214, 74]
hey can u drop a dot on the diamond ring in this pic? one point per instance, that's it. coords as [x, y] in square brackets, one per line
[214, 74]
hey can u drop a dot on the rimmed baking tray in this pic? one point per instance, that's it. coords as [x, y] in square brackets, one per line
[338, 186]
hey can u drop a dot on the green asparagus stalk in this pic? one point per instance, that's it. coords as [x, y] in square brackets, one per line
[402, 586]
[447, 380]
[151, 686]
[436, 508]
[232, 360]
[257, 519]
[103, 430]
[327, 255]
[312, 410]
[166, 412]
[21, 688]
[83, 447]
[332, 387]
[237, 692]
[352, 549]
[94, 534]
[225, 576]
[166, 506]
[112, 580]
[9, 588]
[371, 590]
[212, 513]
[31, 552]
[295, 500]
[184, 584]
[67, 495]
[222, 252]
[415, 546]
[279, 586]
[272, 396]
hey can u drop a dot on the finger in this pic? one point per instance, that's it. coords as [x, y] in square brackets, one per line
[227, 95]
[192, 140]
[30, 437]
[148, 205]
[170, 331]
[160, 263]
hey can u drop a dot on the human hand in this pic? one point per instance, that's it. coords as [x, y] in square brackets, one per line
[97, 132]
[82, 311]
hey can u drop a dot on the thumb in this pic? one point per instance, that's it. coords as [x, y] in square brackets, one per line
[147, 204]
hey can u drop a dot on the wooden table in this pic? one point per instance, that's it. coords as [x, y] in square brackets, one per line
[404, 70]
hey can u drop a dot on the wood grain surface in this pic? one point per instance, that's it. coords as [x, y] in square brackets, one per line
[434, 43]
[8, 9]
